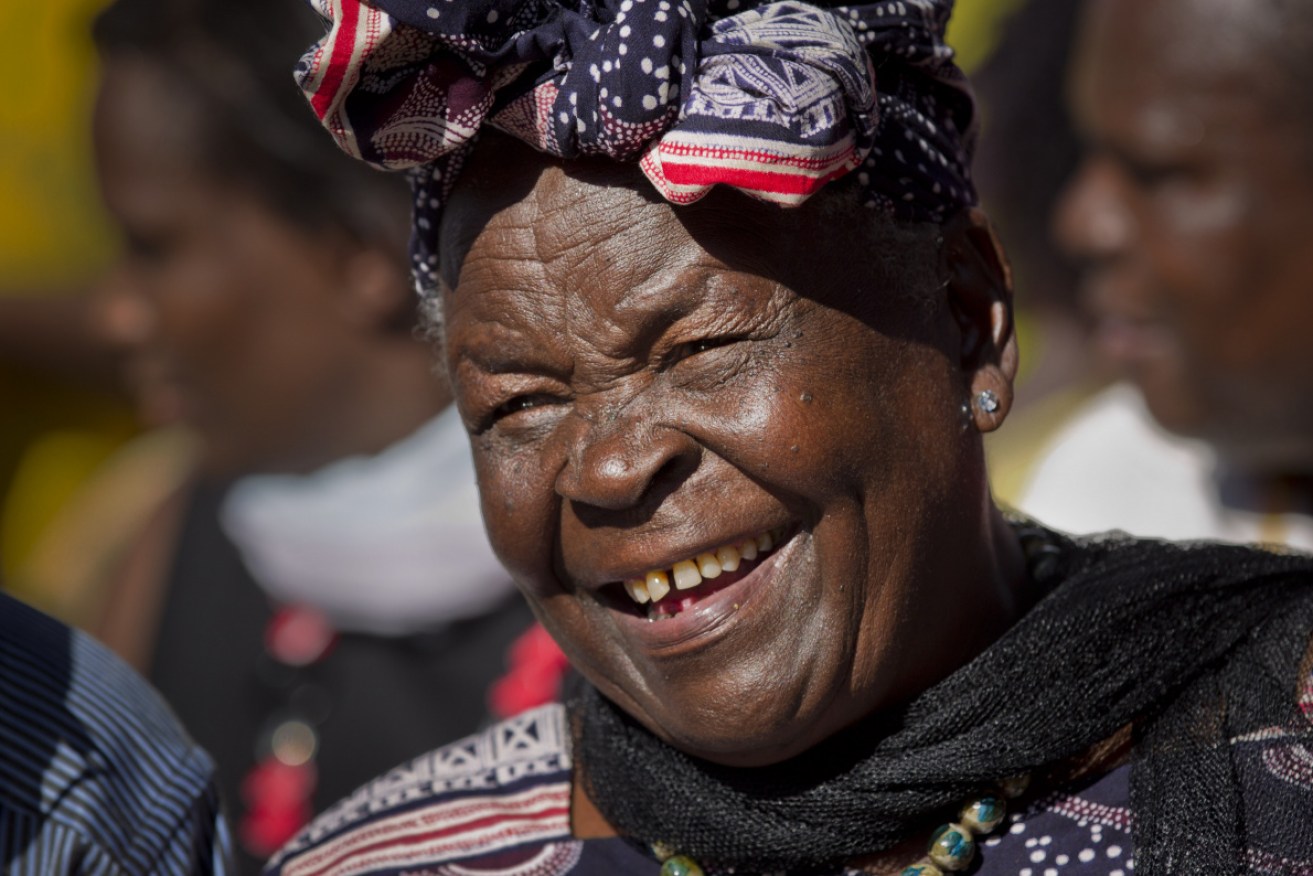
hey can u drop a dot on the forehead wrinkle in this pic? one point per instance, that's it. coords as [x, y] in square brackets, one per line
[499, 345]
[506, 319]
[571, 212]
[503, 260]
[657, 275]
[655, 287]
[633, 264]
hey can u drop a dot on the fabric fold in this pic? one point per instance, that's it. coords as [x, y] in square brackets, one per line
[775, 99]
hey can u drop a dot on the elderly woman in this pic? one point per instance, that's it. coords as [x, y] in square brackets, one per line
[730, 448]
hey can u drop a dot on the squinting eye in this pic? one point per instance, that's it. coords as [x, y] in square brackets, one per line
[521, 403]
[692, 348]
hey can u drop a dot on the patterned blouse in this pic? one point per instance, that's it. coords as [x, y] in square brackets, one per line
[498, 804]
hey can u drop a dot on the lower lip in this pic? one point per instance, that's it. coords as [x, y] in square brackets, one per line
[709, 619]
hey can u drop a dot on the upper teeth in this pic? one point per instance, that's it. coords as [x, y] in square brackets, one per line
[687, 574]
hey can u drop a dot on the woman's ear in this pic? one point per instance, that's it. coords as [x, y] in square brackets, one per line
[980, 300]
[376, 290]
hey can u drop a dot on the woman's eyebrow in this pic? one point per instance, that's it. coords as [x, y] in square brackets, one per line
[654, 310]
[673, 293]
[502, 358]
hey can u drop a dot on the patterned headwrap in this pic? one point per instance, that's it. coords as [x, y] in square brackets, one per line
[773, 98]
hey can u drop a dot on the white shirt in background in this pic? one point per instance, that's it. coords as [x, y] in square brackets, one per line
[1112, 467]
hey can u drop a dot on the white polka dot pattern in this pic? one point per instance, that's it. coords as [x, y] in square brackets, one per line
[1081, 832]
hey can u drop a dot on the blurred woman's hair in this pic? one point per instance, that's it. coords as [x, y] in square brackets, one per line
[231, 64]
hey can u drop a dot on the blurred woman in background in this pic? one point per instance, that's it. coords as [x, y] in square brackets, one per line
[318, 601]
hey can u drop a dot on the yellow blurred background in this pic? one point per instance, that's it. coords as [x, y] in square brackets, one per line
[51, 231]
[54, 239]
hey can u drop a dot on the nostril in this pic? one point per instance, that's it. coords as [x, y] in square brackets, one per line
[669, 475]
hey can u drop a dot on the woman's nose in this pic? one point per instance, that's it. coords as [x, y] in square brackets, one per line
[122, 314]
[624, 463]
[1093, 220]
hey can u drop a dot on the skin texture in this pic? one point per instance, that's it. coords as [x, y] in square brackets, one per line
[1192, 212]
[277, 345]
[643, 383]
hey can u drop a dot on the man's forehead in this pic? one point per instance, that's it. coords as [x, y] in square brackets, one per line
[1189, 46]
[1197, 78]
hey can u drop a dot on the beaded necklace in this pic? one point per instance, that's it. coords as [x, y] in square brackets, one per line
[952, 846]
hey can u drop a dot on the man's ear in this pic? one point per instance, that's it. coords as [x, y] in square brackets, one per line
[980, 300]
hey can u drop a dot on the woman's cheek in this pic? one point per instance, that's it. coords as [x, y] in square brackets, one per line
[779, 431]
[519, 511]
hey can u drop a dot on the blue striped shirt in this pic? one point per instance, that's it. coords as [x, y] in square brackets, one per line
[96, 776]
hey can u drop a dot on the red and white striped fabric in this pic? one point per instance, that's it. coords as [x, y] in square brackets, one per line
[505, 789]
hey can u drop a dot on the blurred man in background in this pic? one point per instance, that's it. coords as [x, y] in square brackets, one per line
[1192, 212]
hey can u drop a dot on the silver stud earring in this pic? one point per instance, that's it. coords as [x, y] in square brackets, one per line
[987, 401]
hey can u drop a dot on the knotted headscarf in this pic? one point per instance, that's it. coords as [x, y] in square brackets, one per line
[775, 99]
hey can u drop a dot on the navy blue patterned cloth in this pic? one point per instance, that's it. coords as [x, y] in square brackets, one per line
[775, 99]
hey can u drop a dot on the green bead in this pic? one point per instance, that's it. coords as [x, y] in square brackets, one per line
[681, 865]
[923, 868]
[983, 813]
[952, 847]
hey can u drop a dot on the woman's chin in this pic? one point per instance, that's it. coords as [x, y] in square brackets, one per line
[764, 743]
[750, 718]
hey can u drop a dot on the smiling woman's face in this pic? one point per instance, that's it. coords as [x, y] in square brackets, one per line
[646, 386]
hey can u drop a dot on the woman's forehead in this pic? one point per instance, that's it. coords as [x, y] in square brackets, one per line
[507, 191]
[541, 222]
[616, 266]
[528, 241]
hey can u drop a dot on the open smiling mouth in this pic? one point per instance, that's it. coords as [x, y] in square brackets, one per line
[664, 593]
